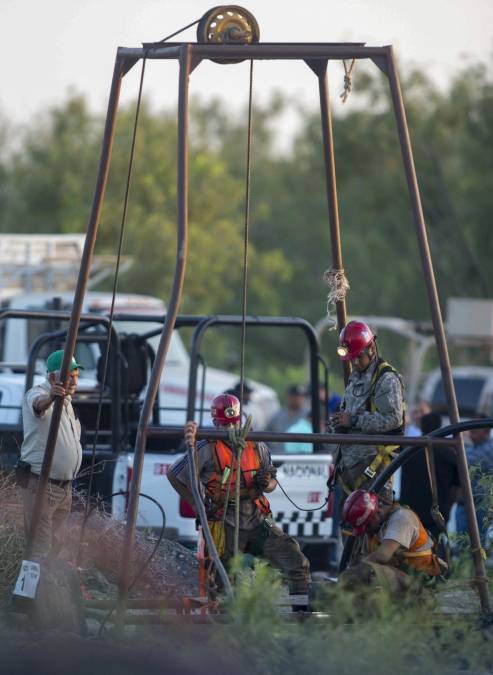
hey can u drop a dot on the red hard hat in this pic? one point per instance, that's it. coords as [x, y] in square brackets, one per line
[354, 338]
[225, 410]
[358, 510]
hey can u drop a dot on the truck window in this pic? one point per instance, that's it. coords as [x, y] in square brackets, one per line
[468, 391]
[36, 327]
[177, 354]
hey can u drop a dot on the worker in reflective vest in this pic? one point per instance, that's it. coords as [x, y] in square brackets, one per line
[217, 467]
[394, 546]
[372, 404]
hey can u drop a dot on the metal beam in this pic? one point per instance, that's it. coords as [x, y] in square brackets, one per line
[333, 206]
[332, 439]
[73, 327]
[438, 327]
[260, 51]
[157, 369]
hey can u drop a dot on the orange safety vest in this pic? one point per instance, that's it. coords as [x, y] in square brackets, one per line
[218, 484]
[422, 561]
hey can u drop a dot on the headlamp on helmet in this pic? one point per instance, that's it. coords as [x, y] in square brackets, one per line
[342, 351]
[354, 339]
[225, 410]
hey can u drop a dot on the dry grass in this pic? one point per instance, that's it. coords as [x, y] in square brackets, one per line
[172, 569]
[11, 535]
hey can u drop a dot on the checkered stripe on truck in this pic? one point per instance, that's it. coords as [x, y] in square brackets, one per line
[304, 524]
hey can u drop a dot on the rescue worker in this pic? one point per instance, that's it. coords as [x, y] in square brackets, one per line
[479, 451]
[396, 549]
[372, 404]
[258, 534]
[289, 414]
[37, 409]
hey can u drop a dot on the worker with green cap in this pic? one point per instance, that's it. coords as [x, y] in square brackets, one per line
[37, 409]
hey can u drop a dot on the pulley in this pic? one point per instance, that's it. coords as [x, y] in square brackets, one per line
[228, 24]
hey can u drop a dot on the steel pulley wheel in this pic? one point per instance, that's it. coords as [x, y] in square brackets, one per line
[228, 24]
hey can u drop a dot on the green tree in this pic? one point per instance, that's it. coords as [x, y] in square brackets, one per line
[47, 186]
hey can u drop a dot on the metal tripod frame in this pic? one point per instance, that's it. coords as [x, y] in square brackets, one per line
[316, 56]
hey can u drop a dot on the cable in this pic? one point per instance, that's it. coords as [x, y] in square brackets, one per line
[239, 449]
[117, 269]
[201, 512]
[153, 552]
[318, 508]
[245, 239]
[113, 298]
[168, 37]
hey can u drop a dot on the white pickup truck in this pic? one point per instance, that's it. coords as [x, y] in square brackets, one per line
[302, 476]
[473, 387]
[18, 335]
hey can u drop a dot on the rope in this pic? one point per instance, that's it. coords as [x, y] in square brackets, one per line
[245, 237]
[481, 550]
[436, 515]
[245, 289]
[348, 80]
[177, 32]
[338, 287]
[112, 308]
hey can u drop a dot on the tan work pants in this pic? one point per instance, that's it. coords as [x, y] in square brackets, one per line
[56, 506]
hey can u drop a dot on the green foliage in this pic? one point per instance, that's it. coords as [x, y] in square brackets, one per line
[351, 633]
[250, 584]
[47, 177]
[483, 490]
[360, 631]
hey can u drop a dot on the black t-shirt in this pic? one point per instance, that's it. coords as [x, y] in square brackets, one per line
[415, 484]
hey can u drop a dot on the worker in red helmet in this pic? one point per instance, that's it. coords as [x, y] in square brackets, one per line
[216, 465]
[395, 547]
[373, 403]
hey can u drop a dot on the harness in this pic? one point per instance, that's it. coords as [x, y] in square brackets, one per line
[384, 452]
[218, 484]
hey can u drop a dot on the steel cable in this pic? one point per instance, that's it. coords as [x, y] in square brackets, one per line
[239, 449]
[112, 308]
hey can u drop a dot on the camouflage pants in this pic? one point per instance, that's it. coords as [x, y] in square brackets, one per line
[55, 511]
[280, 551]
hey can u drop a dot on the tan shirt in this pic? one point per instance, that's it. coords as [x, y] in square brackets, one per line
[67, 457]
[402, 526]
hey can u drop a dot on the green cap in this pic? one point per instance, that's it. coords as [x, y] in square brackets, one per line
[54, 362]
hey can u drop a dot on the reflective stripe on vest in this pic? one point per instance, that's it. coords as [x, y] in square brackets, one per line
[422, 561]
[225, 475]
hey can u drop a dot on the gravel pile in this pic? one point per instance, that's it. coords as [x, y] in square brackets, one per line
[171, 571]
